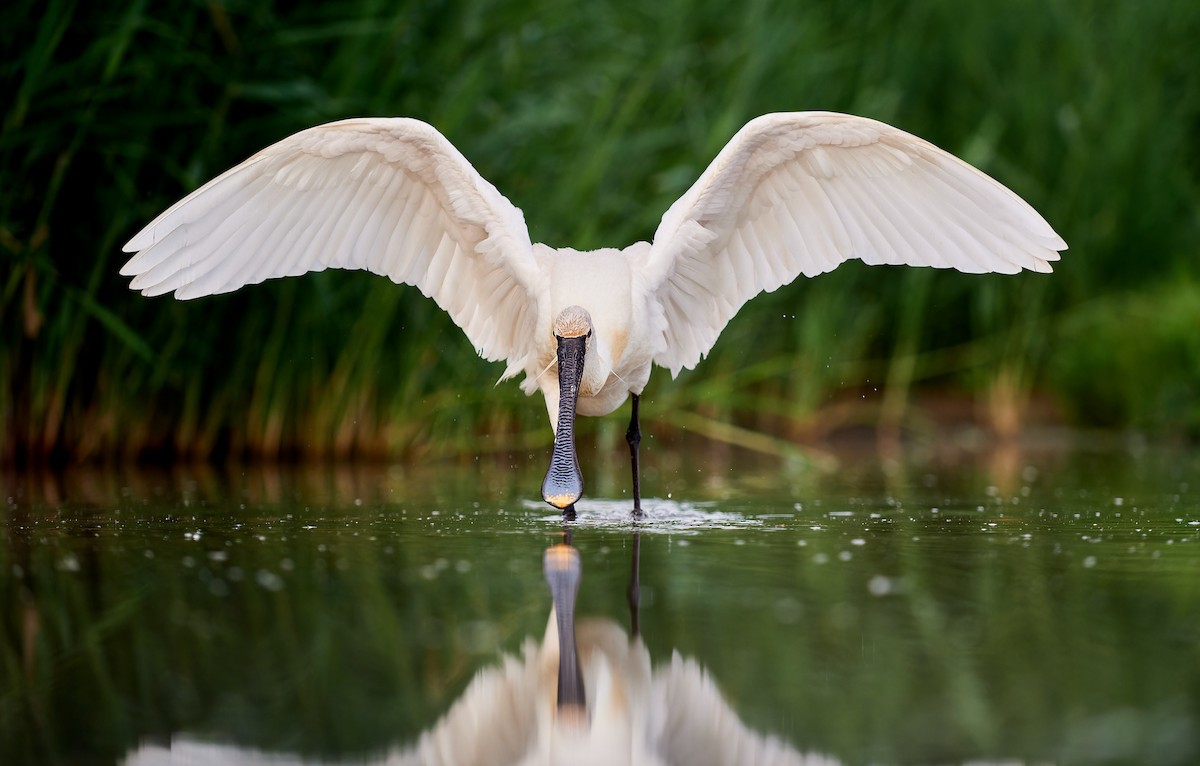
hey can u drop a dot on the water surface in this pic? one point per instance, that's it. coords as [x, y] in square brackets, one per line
[1019, 608]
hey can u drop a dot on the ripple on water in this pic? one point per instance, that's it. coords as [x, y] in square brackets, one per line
[658, 516]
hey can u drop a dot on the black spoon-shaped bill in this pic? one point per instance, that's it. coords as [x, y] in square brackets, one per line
[563, 484]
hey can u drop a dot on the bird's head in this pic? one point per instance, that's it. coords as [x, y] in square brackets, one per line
[575, 333]
[572, 322]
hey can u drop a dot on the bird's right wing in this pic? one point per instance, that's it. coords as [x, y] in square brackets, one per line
[388, 195]
[800, 193]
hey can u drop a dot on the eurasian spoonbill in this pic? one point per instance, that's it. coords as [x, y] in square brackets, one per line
[790, 194]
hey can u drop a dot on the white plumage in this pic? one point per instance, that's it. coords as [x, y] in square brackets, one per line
[790, 194]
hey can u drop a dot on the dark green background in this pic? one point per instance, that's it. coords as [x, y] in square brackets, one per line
[592, 120]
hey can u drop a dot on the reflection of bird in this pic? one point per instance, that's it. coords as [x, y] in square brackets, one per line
[586, 695]
[790, 194]
[507, 715]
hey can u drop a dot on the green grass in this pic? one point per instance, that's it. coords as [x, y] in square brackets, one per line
[592, 123]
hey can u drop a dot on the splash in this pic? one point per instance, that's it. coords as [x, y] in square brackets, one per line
[658, 516]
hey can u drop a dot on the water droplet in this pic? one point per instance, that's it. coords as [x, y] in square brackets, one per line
[879, 585]
[269, 580]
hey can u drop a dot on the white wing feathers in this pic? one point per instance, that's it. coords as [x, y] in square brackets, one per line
[801, 193]
[391, 196]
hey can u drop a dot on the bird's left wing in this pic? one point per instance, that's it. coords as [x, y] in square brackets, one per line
[388, 195]
[800, 193]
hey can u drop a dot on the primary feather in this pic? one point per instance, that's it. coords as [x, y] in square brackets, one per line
[391, 196]
[800, 193]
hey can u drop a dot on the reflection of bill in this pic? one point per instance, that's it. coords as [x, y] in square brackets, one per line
[586, 694]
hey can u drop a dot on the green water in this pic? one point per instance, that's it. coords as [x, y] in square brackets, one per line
[1017, 608]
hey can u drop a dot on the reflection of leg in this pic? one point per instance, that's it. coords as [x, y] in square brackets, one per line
[563, 569]
[635, 587]
[634, 436]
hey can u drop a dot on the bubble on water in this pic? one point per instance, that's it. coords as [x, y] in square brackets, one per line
[269, 580]
[1118, 501]
[858, 541]
[1089, 562]
[788, 610]
[879, 585]
[431, 571]
[820, 558]
[845, 556]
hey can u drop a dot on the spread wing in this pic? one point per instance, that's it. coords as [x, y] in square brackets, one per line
[800, 193]
[391, 196]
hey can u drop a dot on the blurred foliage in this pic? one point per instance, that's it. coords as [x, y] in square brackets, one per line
[592, 121]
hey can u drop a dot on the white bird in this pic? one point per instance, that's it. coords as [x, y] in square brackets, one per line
[790, 194]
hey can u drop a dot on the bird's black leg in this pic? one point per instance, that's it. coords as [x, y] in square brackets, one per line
[634, 436]
[569, 512]
[635, 587]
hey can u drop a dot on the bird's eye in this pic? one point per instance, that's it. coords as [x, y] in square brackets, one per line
[589, 334]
